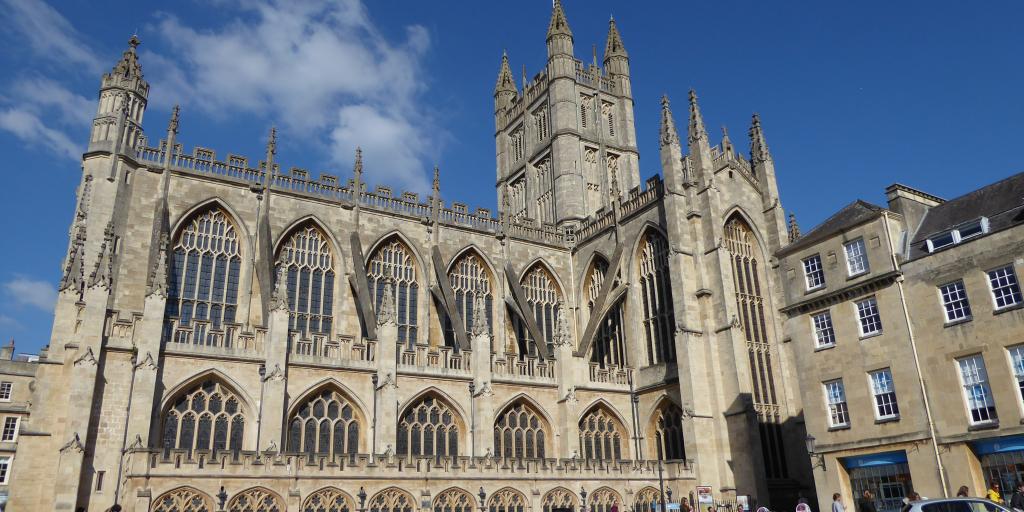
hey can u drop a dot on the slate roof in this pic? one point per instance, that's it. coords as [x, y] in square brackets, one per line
[1001, 202]
[850, 215]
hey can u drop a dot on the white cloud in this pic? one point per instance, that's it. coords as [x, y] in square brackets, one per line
[49, 34]
[323, 71]
[30, 292]
[27, 126]
[9, 322]
[74, 110]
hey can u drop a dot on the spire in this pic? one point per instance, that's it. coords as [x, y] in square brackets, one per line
[103, 274]
[614, 46]
[726, 142]
[172, 126]
[128, 67]
[794, 229]
[559, 25]
[758, 147]
[506, 81]
[697, 130]
[668, 124]
[479, 326]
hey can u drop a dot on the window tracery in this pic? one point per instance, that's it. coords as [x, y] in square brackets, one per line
[469, 278]
[203, 277]
[519, 433]
[656, 290]
[183, 499]
[601, 436]
[327, 424]
[647, 500]
[328, 499]
[207, 417]
[609, 347]
[309, 267]
[507, 500]
[256, 499]
[557, 498]
[391, 499]
[428, 427]
[543, 295]
[454, 500]
[603, 499]
[668, 433]
[394, 259]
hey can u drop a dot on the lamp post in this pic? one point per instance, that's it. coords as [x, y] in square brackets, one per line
[483, 497]
[669, 493]
[222, 497]
[583, 496]
[817, 459]
[362, 499]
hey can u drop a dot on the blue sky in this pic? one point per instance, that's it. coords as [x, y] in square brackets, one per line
[853, 95]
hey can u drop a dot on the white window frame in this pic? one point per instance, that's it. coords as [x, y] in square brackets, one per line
[5, 473]
[976, 390]
[956, 235]
[866, 309]
[955, 304]
[1011, 285]
[6, 390]
[883, 392]
[836, 405]
[1016, 355]
[814, 272]
[14, 430]
[856, 257]
[824, 330]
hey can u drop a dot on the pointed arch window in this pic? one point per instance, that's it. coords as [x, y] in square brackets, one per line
[507, 500]
[202, 293]
[328, 499]
[391, 499]
[209, 416]
[309, 266]
[609, 348]
[743, 250]
[327, 424]
[183, 499]
[601, 436]
[470, 279]
[543, 297]
[393, 258]
[428, 427]
[656, 296]
[519, 432]
[558, 498]
[603, 499]
[256, 499]
[668, 433]
[647, 500]
[454, 500]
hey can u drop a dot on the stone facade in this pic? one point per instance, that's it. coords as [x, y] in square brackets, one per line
[17, 375]
[227, 328]
[925, 396]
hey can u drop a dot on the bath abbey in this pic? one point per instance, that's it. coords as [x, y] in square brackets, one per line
[235, 335]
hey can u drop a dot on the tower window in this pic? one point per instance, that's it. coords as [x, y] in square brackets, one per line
[540, 117]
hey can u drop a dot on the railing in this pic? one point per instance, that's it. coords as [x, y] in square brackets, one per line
[531, 367]
[476, 221]
[320, 349]
[545, 233]
[441, 358]
[204, 335]
[610, 375]
[638, 199]
[603, 221]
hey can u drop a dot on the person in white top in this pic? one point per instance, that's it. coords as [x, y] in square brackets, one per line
[837, 503]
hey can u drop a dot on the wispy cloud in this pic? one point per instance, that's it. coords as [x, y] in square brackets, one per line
[48, 35]
[27, 126]
[35, 293]
[319, 69]
[9, 322]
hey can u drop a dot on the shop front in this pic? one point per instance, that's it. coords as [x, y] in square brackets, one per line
[886, 475]
[1002, 460]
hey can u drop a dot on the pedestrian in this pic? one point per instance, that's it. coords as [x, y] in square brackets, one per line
[837, 503]
[1017, 498]
[962, 492]
[866, 503]
[993, 493]
[909, 500]
[615, 507]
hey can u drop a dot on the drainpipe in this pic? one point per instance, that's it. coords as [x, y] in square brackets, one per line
[917, 361]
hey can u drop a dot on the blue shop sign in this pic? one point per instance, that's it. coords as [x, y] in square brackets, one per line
[998, 445]
[875, 459]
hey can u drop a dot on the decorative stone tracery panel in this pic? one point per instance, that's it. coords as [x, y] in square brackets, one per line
[328, 499]
[256, 499]
[391, 499]
[559, 497]
[209, 416]
[454, 500]
[507, 500]
[183, 499]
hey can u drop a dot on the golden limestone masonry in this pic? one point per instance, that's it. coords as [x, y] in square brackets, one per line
[232, 335]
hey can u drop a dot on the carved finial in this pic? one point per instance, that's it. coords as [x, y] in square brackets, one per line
[172, 126]
[726, 142]
[102, 275]
[559, 25]
[614, 47]
[386, 315]
[697, 130]
[279, 301]
[158, 276]
[794, 229]
[272, 143]
[74, 272]
[562, 334]
[357, 167]
[479, 325]
[669, 135]
[134, 42]
[437, 183]
[506, 81]
[758, 147]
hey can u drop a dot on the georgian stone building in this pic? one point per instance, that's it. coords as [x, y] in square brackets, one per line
[234, 335]
[908, 330]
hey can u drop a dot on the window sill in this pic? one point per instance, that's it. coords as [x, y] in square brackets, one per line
[851, 277]
[872, 335]
[824, 347]
[959, 321]
[889, 419]
[1004, 309]
[988, 425]
[839, 427]
[809, 291]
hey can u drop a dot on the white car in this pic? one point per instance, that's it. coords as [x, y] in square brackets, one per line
[957, 505]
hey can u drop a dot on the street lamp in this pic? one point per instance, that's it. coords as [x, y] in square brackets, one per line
[222, 497]
[362, 498]
[483, 496]
[583, 496]
[817, 459]
[669, 493]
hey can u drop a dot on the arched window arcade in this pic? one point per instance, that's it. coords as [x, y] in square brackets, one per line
[328, 499]
[309, 266]
[394, 259]
[391, 499]
[256, 499]
[454, 500]
[429, 426]
[520, 432]
[668, 432]
[469, 278]
[609, 347]
[543, 296]
[326, 424]
[207, 416]
[601, 435]
[656, 297]
[183, 499]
